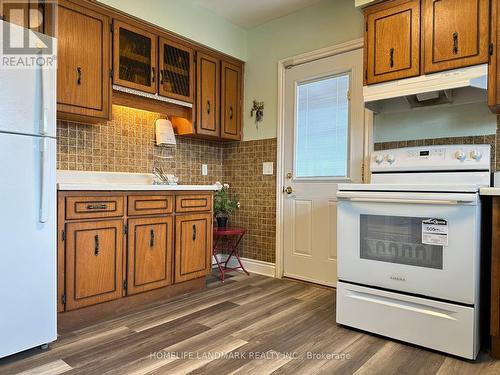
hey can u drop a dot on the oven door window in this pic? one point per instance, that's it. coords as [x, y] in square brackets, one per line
[397, 239]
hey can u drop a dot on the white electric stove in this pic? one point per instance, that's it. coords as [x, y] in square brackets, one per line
[409, 247]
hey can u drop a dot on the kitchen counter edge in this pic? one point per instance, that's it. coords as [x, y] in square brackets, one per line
[132, 187]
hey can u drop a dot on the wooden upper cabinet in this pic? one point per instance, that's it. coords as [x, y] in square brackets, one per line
[494, 66]
[208, 91]
[150, 243]
[392, 41]
[83, 68]
[231, 101]
[455, 33]
[176, 71]
[93, 262]
[193, 246]
[27, 13]
[134, 57]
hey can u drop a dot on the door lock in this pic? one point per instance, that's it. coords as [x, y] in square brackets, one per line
[288, 190]
[289, 175]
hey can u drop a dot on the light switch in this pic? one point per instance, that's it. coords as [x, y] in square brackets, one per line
[267, 168]
[204, 170]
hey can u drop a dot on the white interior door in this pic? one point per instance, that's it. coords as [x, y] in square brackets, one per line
[322, 145]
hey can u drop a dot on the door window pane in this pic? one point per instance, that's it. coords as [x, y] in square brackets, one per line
[397, 239]
[322, 125]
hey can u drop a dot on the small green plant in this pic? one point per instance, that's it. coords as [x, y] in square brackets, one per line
[223, 204]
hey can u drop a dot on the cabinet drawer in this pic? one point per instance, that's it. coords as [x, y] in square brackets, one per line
[149, 205]
[93, 207]
[192, 203]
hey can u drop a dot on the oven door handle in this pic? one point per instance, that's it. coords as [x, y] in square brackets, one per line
[408, 198]
[419, 308]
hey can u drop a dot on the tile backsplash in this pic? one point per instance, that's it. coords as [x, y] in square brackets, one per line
[126, 144]
[256, 192]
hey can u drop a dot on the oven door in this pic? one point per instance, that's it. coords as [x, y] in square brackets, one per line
[421, 243]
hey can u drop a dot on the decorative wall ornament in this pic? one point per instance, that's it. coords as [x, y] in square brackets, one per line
[258, 109]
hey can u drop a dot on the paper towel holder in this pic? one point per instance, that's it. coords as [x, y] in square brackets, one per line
[165, 135]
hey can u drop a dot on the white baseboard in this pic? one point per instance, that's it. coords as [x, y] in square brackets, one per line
[251, 265]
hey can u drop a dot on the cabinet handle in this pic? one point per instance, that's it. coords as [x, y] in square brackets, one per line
[194, 232]
[151, 238]
[96, 249]
[78, 75]
[455, 43]
[97, 206]
[161, 76]
[391, 57]
[230, 113]
[208, 106]
[152, 75]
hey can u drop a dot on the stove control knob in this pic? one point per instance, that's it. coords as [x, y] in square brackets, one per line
[391, 158]
[460, 155]
[379, 159]
[476, 155]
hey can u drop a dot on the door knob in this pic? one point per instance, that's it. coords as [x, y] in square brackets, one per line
[288, 190]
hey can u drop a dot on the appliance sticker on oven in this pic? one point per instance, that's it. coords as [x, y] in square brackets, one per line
[435, 232]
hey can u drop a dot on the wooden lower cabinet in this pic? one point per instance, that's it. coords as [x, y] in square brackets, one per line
[150, 242]
[94, 252]
[119, 244]
[193, 245]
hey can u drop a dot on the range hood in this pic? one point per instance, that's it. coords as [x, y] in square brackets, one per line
[452, 87]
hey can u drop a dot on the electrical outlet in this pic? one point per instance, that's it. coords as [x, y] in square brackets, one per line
[204, 170]
[267, 168]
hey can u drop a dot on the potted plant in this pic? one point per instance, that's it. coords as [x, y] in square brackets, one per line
[224, 206]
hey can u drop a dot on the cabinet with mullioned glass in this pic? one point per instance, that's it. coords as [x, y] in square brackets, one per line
[134, 57]
[176, 71]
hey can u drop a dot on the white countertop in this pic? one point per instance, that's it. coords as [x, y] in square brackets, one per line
[106, 181]
[489, 191]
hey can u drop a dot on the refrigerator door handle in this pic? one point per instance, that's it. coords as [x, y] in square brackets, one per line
[44, 181]
[44, 113]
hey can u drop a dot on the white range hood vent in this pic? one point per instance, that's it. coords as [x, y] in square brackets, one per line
[452, 87]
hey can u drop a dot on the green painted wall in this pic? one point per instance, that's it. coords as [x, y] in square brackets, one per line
[435, 122]
[322, 25]
[190, 21]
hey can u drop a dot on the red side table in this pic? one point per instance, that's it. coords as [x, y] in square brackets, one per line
[234, 237]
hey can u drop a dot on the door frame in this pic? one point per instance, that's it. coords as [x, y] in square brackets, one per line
[283, 65]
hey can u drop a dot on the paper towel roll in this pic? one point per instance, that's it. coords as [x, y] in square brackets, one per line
[164, 133]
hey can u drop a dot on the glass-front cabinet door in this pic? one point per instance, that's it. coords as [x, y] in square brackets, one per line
[176, 71]
[135, 56]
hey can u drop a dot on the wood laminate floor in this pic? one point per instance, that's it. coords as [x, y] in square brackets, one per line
[248, 325]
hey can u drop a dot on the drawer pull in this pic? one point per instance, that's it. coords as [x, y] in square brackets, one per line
[97, 206]
[194, 232]
[96, 249]
[391, 57]
[455, 43]
[152, 238]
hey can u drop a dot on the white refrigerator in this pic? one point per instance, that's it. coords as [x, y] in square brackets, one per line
[28, 292]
